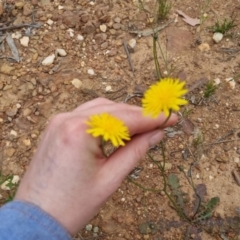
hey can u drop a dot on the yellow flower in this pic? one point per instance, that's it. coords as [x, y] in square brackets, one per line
[164, 96]
[109, 127]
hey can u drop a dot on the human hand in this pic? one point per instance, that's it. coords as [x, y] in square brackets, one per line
[69, 177]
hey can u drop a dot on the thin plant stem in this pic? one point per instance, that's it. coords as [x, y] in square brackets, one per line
[143, 187]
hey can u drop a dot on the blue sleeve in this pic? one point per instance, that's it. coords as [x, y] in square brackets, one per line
[21, 221]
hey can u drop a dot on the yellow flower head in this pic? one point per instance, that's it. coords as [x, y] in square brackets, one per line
[109, 127]
[164, 96]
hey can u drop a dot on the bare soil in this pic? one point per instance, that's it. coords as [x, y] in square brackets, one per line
[206, 138]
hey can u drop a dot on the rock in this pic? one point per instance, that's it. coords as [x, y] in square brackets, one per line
[69, 19]
[80, 37]
[95, 229]
[61, 52]
[104, 45]
[11, 112]
[84, 18]
[236, 159]
[15, 179]
[231, 82]
[45, 2]
[204, 47]
[117, 20]
[71, 32]
[168, 166]
[132, 43]
[116, 26]
[27, 112]
[50, 22]
[76, 83]
[13, 133]
[27, 142]
[91, 72]
[89, 227]
[27, 9]
[217, 37]
[108, 88]
[48, 60]
[19, 5]
[9, 152]
[100, 37]
[7, 69]
[89, 27]
[112, 52]
[103, 28]
[24, 41]
[217, 81]
[16, 35]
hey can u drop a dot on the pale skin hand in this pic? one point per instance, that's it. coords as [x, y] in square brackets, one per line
[69, 177]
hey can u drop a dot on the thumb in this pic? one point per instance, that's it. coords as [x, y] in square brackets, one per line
[123, 160]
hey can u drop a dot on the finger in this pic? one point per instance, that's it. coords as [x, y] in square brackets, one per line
[93, 103]
[123, 160]
[137, 123]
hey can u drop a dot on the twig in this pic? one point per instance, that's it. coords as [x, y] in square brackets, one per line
[129, 96]
[36, 25]
[210, 144]
[128, 55]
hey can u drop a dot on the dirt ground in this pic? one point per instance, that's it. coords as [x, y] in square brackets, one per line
[91, 35]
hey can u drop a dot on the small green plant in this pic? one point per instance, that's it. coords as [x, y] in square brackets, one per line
[223, 27]
[163, 9]
[209, 89]
[9, 184]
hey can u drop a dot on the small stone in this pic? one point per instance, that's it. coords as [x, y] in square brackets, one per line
[80, 37]
[11, 112]
[204, 47]
[76, 83]
[50, 22]
[168, 166]
[27, 9]
[210, 177]
[95, 229]
[89, 227]
[13, 133]
[103, 28]
[71, 32]
[108, 88]
[4, 186]
[112, 52]
[231, 82]
[15, 179]
[48, 60]
[91, 72]
[117, 20]
[7, 69]
[19, 5]
[132, 43]
[104, 45]
[9, 152]
[116, 26]
[27, 142]
[16, 35]
[27, 112]
[60, 7]
[61, 52]
[24, 41]
[217, 37]
[217, 81]
[236, 159]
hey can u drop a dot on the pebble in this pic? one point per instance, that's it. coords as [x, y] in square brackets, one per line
[48, 60]
[204, 47]
[132, 43]
[80, 37]
[9, 152]
[116, 26]
[11, 112]
[217, 37]
[50, 22]
[27, 112]
[103, 28]
[108, 88]
[168, 166]
[4, 186]
[76, 83]
[15, 179]
[89, 227]
[27, 142]
[236, 159]
[13, 133]
[61, 52]
[16, 35]
[24, 41]
[217, 81]
[91, 71]
[231, 82]
[95, 229]
[7, 69]
[71, 32]
[104, 45]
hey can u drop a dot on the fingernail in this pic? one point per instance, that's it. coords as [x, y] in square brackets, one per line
[156, 138]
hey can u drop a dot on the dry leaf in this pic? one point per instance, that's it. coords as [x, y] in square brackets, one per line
[189, 20]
